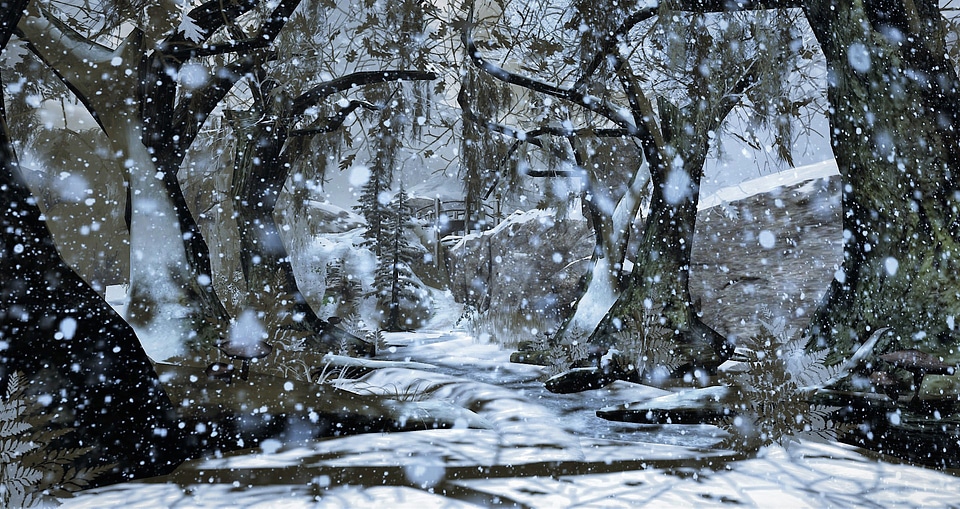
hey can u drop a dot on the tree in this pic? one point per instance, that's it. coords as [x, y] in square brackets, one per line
[86, 365]
[889, 76]
[373, 205]
[394, 282]
[134, 91]
[266, 146]
[674, 134]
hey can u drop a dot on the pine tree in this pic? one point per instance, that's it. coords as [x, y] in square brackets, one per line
[374, 207]
[403, 108]
[394, 280]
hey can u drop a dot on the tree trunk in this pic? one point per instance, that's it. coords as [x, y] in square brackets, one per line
[170, 305]
[658, 287]
[894, 129]
[74, 347]
[259, 173]
[612, 232]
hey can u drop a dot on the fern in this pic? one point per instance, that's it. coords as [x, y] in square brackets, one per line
[775, 406]
[32, 471]
[644, 346]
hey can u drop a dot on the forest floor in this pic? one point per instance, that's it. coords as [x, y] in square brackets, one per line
[516, 445]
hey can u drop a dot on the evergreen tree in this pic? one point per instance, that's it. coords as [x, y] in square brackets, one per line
[399, 36]
[374, 206]
[394, 280]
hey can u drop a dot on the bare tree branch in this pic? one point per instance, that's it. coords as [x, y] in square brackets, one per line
[586, 101]
[333, 123]
[610, 42]
[179, 48]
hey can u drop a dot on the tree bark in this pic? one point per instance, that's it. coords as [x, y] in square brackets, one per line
[894, 130]
[612, 233]
[171, 305]
[73, 347]
[659, 283]
[258, 176]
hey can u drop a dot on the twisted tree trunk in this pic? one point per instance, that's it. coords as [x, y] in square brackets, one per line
[70, 343]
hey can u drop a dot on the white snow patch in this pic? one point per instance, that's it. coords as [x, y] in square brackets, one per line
[247, 331]
[68, 327]
[677, 187]
[770, 182]
[194, 76]
[359, 175]
[859, 57]
[767, 239]
[891, 265]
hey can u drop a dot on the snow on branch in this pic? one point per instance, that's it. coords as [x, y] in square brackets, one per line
[357, 79]
[333, 123]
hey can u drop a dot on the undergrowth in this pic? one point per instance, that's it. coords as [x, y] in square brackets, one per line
[773, 404]
[32, 470]
[503, 327]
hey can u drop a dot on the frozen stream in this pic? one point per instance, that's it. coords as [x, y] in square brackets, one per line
[537, 450]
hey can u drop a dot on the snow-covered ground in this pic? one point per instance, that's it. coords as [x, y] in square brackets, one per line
[516, 445]
[768, 182]
[534, 449]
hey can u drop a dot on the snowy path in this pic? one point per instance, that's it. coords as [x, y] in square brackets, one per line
[538, 450]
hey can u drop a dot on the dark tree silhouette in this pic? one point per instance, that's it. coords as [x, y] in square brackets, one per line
[79, 354]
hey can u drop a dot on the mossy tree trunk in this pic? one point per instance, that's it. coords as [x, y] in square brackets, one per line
[659, 283]
[149, 120]
[894, 130]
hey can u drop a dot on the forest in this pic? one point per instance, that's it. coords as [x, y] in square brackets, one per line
[485, 253]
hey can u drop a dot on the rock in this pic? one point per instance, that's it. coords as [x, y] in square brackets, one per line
[579, 380]
[333, 335]
[694, 406]
[531, 263]
[865, 400]
[927, 438]
[535, 357]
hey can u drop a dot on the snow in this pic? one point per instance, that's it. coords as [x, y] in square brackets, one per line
[517, 217]
[769, 182]
[514, 443]
[528, 451]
